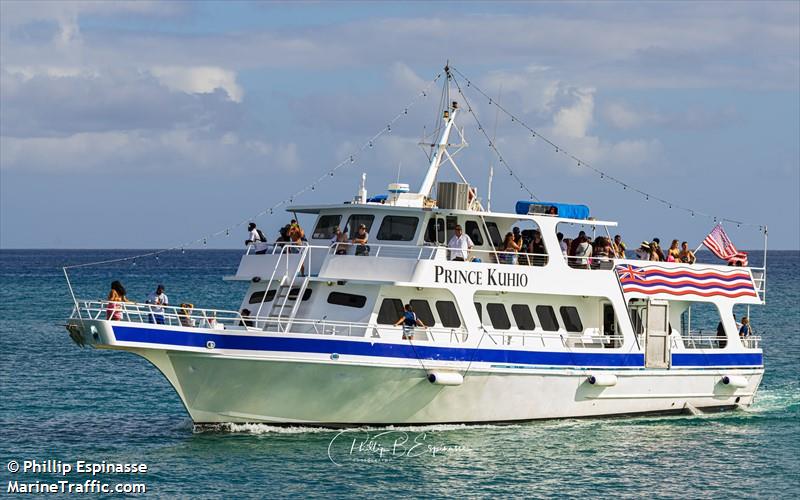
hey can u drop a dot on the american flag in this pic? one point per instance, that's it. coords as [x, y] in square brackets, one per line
[720, 245]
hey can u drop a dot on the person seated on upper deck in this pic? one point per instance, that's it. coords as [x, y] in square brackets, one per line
[537, 250]
[686, 256]
[673, 253]
[619, 247]
[360, 240]
[256, 238]
[246, 321]
[409, 320]
[553, 210]
[745, 330]
[459, 245]
[340, 240]
[510, 249]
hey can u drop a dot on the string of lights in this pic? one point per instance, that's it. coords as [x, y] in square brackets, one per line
[583, 164]
[350, 160]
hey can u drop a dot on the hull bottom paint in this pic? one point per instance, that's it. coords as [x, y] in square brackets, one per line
[226, 389]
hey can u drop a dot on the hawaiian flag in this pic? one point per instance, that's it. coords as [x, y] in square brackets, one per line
[685, 280]
[720, 245]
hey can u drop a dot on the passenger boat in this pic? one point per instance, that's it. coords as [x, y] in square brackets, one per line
[507, 337]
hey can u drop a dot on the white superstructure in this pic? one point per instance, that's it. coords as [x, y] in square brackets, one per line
[508, 336]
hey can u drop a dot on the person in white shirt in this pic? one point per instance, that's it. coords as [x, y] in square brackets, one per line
[459, 245]
[256, 238]
[158, 299]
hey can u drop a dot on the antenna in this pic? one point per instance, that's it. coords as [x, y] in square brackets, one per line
[491, 165]
[399, 165]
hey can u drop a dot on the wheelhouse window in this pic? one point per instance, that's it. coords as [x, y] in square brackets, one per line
[434, 233]
[257, 297]
[355, 220]
[448, 314]
[523, 317]
[347, 299]
[472, 230]
[494, 234]
[571, 318]
[547, 318]
[423, 311]
[391, 310]
[398, 228]
[326, 226]
[498, 316]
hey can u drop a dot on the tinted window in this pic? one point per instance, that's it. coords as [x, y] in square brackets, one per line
[390, 311]
[356, 220]
[498, 316]
[326, 226]
[423, 311]
[523, 317]
[397, 228]
[346, 299]
[257, 296]
[473, 231]
[480, 311]
[435, 231]
[448, 314]
[494, 234]
[571, 318]
[547, 317]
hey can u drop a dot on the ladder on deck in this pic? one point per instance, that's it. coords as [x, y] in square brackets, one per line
[284, 294]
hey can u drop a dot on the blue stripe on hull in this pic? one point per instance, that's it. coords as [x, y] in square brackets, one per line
[360, 348]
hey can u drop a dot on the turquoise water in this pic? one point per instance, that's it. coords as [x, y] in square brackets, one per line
[66, 403]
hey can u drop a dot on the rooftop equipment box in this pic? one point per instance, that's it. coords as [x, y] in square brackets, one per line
[452, 195]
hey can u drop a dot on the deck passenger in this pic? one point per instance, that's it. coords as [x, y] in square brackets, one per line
[643, 252]
[157, 299]
[655, 246]
[340, 241]
[510, 249]
[673, 253]
[619, 247]
[562, 243]
[256, 238]
[583, 251]
[409, 320]
[459, 245]
[521, 240]
[116, 297]
[537, 250]
[246, 320]
[360, 240]
[745, 330]
[602, 251]
[553, 210]
[686, 256]
[186, 315]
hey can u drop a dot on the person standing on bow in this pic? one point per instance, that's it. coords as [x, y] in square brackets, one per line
[459, 245]
[116, 299]
[157, 299]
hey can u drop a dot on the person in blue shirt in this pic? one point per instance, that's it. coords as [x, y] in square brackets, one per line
[745, 330]
[409, 320]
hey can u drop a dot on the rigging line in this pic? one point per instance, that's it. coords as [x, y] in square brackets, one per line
[351, 159]
[491, 143]
[603, 175]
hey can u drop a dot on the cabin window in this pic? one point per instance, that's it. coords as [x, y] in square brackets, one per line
[547, 317]
[398, 228]
[356, 220]
[434, 233]
[423, 311]
[391, 310]
[472, 230]
[494, 234]
[452, 222]
[326, 227]
[256, 297]
[347, 299]
[498, 316]
[701, 326]
[448, 314]
[479, 310]
[571, 318]
[523, 317]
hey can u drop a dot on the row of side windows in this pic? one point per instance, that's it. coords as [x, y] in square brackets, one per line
[393, 227]
[392, 309]
[523, 317]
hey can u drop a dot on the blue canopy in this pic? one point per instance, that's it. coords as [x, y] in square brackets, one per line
[525, 207]
[378, 198]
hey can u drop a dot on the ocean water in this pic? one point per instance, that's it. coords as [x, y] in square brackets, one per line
[60, 402]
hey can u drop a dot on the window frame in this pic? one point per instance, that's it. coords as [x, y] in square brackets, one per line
[388, 217]
[422, 309]
[476, 241]
[490, 306]
[527, 310]
[545, 324]
[389, 300]
[494, 231]
[345, 304]
[353, 231]
[568, 320]
[316, 235]
[448, 314]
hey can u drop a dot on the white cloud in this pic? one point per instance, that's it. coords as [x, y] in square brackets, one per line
[199, 80]
[621, 116]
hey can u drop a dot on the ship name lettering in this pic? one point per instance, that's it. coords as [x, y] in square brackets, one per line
[494, 277]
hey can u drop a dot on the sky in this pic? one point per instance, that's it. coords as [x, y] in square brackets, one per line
[150, 124]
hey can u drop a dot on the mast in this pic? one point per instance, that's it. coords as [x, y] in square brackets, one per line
[448, 116]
